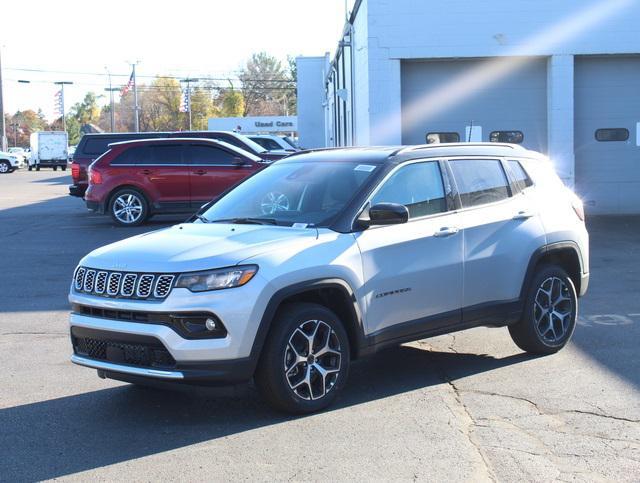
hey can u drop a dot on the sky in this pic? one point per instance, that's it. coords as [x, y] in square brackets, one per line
[190, 38]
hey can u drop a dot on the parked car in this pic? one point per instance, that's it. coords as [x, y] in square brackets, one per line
[134, 180]
[20, 154]
[271, 142]
[364, 248]
[8, 162]
[93, 145]
[49, 149]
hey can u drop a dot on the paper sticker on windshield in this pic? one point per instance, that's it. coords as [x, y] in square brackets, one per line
[299, 225]
[365, 167]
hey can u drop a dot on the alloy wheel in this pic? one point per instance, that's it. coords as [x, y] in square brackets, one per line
[4, 167]
[127, 208]
[312, 360]
[553, 310]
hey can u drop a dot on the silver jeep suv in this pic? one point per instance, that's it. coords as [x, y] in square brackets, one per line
[328, 256]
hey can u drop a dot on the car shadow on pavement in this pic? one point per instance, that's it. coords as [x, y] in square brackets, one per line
[58, 437]
[62, 179]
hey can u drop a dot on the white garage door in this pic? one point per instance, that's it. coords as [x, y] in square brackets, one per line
[607, 112]
[513, 108]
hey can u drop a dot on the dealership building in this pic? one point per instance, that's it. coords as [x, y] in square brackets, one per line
[561, 77]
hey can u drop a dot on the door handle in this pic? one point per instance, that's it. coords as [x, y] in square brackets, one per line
[146, 171]
[200, 172]
[446, 231]
[522, 215]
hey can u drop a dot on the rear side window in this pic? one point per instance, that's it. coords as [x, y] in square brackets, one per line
[132, 157]
[96, 146]
[418, 187]
[163, 155]
[479, 181]
[513, 137]
[612, 134]
[442, 137]
[209, 155]
[520, 178]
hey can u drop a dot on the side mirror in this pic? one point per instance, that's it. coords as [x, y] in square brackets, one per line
[384, 214]
[237, 162]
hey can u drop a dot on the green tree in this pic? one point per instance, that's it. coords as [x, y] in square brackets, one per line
[266, 86]
[202, 108]
[160, 105]
[231, 103]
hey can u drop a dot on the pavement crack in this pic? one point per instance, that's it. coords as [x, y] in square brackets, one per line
[600, 415]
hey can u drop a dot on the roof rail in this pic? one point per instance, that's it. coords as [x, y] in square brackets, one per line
[417, 147]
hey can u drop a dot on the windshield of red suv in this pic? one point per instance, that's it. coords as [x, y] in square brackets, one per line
[310, 193]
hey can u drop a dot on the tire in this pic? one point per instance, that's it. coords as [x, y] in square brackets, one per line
[302, 389]
[55, 168]
[550, 312]
[5, 167]
[38, 168]
[64, 168]
[30, 168]
[132, 199]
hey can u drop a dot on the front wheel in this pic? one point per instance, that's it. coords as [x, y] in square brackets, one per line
[550, 312]
[64, 168]
[128, 207]
[5, 167]
[305, 361]
[55, 168]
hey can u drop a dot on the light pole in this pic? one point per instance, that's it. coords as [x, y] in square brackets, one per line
[62, 84]
[188, 81]
[136, 108]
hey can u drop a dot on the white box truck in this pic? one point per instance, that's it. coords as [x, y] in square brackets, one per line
[49, 149]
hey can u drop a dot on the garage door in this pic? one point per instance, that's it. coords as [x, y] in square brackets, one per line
[607, 110]
[513, 108]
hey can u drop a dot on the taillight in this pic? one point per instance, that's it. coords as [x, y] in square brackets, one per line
[75, 171]
[95, 177]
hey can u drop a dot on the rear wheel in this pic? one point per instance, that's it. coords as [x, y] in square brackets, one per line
[38, 168]
[55, 168]
[550, 313]
[305, 360]
[128, 207]
[30, 168]
[5, 167]
[64, 168]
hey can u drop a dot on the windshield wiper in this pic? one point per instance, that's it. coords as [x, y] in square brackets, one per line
[202, 218]
[247, 221]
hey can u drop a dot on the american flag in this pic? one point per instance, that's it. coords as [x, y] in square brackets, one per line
[127, 87]
[57, 103]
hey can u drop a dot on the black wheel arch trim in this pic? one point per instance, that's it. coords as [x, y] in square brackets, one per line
[546, 250]
[299, 288]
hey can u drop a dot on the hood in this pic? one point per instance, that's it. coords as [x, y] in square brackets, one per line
[196, 246]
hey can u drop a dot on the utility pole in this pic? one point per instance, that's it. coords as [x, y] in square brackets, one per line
[3, 128]
[111, 90]
[188, 81]
[62, 84]
[136, 108]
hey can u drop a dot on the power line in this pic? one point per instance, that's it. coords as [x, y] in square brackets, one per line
[101, 74]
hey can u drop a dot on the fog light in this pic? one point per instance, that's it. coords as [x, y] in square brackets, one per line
[210, 324]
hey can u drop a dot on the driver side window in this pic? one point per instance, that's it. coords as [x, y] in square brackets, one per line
[417, 186]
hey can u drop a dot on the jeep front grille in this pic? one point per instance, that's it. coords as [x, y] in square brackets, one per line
[122, 284]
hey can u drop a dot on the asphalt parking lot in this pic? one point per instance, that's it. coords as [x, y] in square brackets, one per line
[468, 406]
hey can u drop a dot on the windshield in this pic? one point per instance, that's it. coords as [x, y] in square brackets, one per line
[311, 193]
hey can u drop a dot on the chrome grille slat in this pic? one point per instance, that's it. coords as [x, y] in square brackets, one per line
[101, 283]
[163, 286]
[113, 287]
[88, 281]
[107, 283]
[128, 284]
[79, 278]
[145, 283]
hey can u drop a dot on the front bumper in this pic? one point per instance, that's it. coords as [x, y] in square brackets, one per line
[226, 359]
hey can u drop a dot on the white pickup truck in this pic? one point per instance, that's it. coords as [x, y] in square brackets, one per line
[49, 149]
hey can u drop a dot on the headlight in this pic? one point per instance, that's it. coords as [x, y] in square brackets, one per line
[217, 279]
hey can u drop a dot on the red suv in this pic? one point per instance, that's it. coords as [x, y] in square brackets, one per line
[134, 180]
